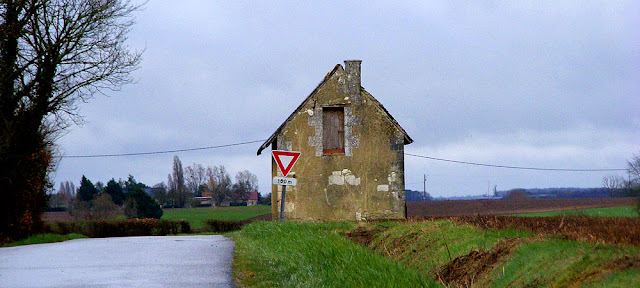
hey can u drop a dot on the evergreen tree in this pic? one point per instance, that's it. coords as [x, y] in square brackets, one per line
[87, 190]
[140, 205]
[114, 189]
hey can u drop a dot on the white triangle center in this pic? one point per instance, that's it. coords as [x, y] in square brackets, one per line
[285, 160]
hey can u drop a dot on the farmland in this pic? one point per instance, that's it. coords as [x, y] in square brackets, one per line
[510, 206]
[621, 211]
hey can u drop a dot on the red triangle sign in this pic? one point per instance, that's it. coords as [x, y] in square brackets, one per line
[285, 160]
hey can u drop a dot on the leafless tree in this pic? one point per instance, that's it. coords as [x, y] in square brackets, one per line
[178, 194]
[54, 54]
[159, 193]
[613, 184]
[245, 183]
[103, 207]
[219, 183]
[634, 166]
[196, 177]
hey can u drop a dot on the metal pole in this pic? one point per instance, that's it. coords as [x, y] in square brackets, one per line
[284, 191]
[424, 188]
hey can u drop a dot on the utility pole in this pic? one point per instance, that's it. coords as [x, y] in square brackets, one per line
[488, 187]
[424, 188]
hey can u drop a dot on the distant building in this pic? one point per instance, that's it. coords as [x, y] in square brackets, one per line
[206, 199]
[253, 198]
[352, 162]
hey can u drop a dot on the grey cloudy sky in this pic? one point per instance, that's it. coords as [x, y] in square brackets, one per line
[524, 83]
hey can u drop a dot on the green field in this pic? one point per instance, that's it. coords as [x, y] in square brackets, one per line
[423, 254]
[197, 217]
[624, 211]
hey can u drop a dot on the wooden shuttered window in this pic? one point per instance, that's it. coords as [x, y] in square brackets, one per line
[333, 130]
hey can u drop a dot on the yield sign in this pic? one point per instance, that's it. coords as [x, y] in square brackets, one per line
[285, 160]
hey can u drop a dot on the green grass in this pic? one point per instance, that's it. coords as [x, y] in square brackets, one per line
[197, 217]
[45, 238]
[562, 263]
[290, 254]
[624, 211]
[430, 244]
[535, 261]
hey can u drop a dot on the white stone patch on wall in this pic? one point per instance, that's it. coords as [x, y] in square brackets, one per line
[352, 180]
[310, 112]
[315, 121]
[383, 188]
[289, 207]
[351, 141]
[284, 145]
[336, 178]
[344, 176]
[393, 177]
[395, 195]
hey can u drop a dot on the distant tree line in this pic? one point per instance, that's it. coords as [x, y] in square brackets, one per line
[99, 201]
[414, 196]
[137, 200]
[617, 185]
[196, 180]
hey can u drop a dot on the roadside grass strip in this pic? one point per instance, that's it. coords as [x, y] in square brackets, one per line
[291, 254]
[461, 255]
[563, 263]
[45, 238]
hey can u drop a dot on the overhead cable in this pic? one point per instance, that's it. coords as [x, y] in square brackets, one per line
[161, 152]
[516, 167]
[408, 154]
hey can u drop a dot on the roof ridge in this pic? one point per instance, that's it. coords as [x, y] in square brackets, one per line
[295, 111]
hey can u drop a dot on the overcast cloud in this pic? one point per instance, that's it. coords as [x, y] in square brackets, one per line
[551, 84]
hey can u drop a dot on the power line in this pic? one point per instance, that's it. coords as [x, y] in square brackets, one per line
[516, 167]
[409, 154]
[161, 152]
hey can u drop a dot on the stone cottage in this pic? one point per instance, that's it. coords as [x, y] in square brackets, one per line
[352, 161]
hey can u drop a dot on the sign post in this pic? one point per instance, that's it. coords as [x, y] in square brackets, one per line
[285, 161]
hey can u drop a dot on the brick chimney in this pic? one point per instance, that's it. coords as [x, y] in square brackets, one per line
[352, 69]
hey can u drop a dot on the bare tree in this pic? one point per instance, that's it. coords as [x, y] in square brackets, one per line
[219, 183]
[196, 177]
[103, 207]
[634, 166]
[634, 177]
[178, 194]
[245, 183]
[53, 55]
[613, 184]
[159, 192]
[171, 190]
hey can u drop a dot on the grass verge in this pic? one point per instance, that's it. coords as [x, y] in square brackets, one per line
[45, 238]
[461, 255]
[198, 217]
[290, 254]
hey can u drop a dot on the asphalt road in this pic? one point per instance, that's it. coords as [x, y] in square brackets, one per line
[171, 261]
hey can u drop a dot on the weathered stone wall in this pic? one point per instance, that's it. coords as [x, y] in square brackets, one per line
[366, 182]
